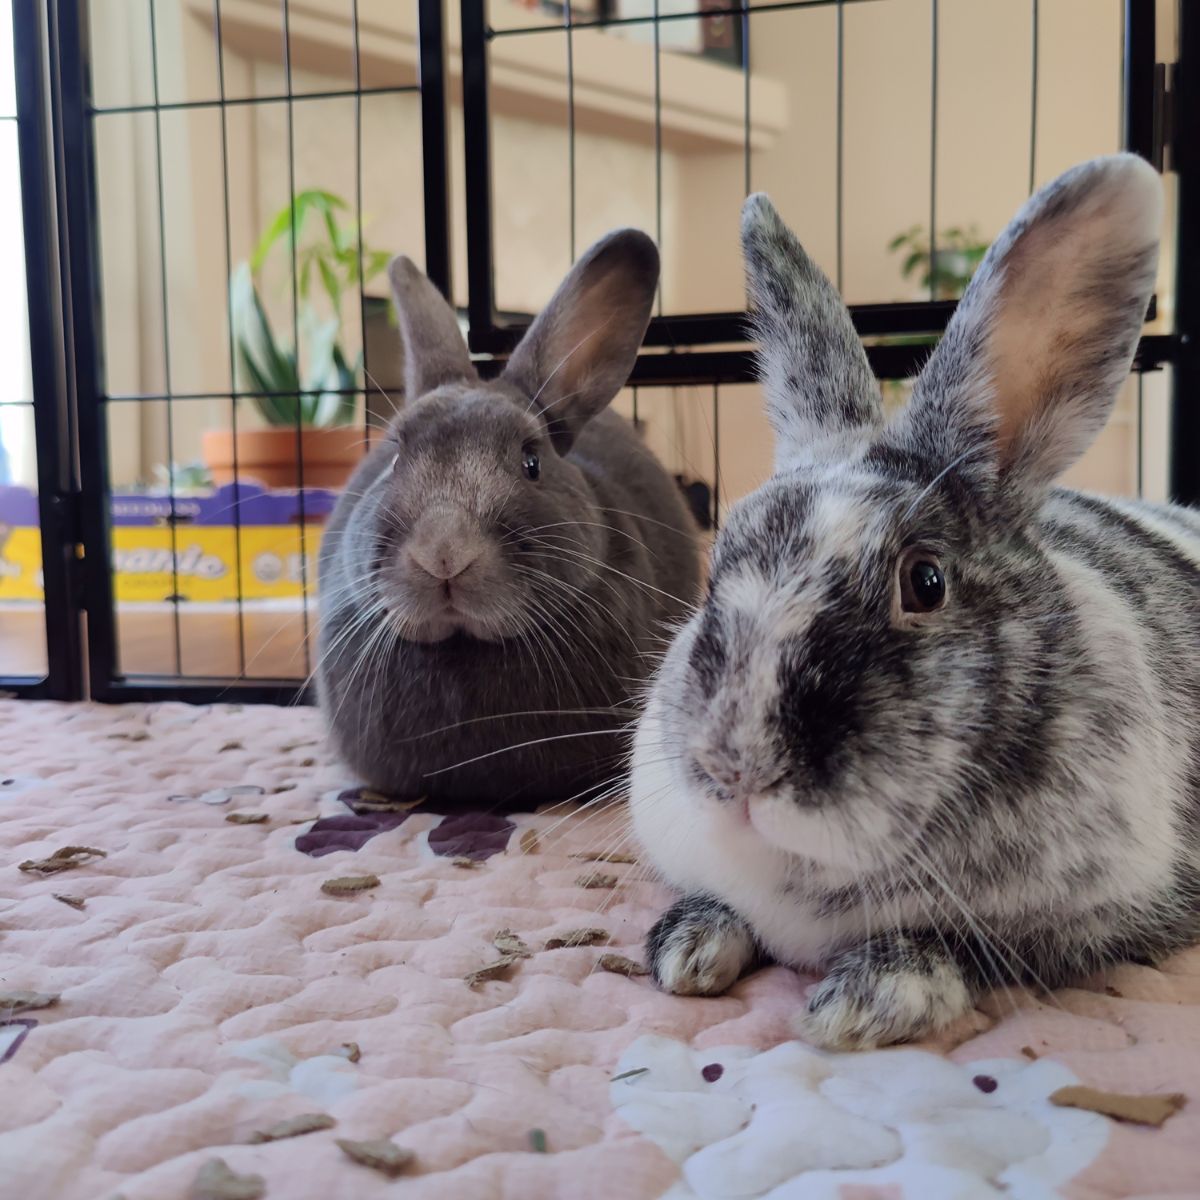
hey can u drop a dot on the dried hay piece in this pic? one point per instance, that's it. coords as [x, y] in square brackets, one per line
[509, 944]
[492, 970]
[230, 746]
[369, 801]
[17, 1002]
[579, 937]
[64, 859]
[215, 1181]
[597, 879]
[605, 856]
[76, 902]
[1138, 1110]
[353, 1053]
[136, 735]
[292, 1127]
[380, 1154]
[349, 885]
[1109, 990]
[308, 762]
[618, 964]
[1030, 1053]
[529, 843]
[537, 1141]
[247, 818]
[630, 1074]
[467, 864]
[291, 747]
[283, 787]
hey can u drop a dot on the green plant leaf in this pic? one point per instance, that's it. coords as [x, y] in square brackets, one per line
[333, 289]
[914, 260]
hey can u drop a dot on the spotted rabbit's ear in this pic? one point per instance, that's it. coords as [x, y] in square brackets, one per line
[580, 351]
[434, 351]
[1031, 363]
[822, 398]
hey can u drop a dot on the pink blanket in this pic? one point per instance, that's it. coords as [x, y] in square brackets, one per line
[210, 989]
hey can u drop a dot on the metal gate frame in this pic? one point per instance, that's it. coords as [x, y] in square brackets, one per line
[57, 115]
[1158, 108]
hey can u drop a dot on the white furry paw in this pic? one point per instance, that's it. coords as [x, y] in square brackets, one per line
[875, 996]
[699, 947]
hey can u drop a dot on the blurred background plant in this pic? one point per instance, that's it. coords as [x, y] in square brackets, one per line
[311, 384]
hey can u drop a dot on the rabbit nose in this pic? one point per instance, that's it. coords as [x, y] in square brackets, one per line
[444, 561]
[722, 773]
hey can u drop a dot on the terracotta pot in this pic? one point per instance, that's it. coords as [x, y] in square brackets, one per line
[269, 456]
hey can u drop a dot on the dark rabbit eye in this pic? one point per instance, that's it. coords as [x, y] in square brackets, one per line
[921, 580]
[531, 464]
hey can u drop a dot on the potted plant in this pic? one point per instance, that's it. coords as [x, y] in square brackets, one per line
[306, 400]
[946, 272]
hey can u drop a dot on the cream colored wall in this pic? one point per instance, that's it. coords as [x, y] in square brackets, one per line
[982, 171]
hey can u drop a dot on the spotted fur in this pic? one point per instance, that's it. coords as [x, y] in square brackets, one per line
[1008, 788]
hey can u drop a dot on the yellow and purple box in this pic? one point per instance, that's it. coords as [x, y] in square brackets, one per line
[277, 532]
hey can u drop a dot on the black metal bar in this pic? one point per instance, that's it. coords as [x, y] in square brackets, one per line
[1138, 78]
[166, 339]
[716, 436]
[1035, 35]
[51, 417]
[233, 404]
[690, 15]
[1185, 156]
[434, 152]
[478, 171]
[79, 252]
[197, 689]
[109, 110]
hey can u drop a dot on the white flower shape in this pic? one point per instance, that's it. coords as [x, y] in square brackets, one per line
[794, 1123]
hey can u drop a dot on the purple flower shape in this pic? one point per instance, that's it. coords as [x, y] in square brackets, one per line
[13, 1046]
[474, 835]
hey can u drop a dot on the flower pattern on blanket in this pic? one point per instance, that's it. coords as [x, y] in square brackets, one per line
[474, 835]
[793, 1122]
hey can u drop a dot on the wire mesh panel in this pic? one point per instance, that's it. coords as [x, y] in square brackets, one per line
[238, 173]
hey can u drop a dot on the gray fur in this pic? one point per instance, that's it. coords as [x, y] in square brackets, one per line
[482, 632]
[1007, 788]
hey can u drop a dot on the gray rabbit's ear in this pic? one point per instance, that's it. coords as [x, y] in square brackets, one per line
[580, 351]
[822, 398]
[1031, 363]
[434, 350]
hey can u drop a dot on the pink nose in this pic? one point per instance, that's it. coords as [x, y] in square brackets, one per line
[444, 562]
[719, 771]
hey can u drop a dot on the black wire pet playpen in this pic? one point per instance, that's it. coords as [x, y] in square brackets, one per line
[155, 137]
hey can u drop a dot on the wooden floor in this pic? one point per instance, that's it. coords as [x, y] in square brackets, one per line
[267, 645]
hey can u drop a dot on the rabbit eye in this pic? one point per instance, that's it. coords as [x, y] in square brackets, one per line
[921, 581]
[531, 464]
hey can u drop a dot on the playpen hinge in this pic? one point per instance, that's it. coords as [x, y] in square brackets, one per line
[69, 506]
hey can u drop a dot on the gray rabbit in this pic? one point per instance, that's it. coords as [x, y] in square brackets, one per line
[937, 725]
[501, 572]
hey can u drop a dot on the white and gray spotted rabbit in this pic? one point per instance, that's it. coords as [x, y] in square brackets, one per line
[498, 574]
[936, 727]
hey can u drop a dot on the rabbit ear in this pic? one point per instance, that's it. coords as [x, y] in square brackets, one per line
[1032, 360]
[580, 351]
[822, 398]
[434, 350]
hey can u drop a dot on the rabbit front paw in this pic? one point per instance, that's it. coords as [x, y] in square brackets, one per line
[894, 989]
[700, 947]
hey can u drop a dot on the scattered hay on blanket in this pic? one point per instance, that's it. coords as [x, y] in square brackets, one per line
[464, 863]
[597, 879]
[630, 1074]
[64, 859]
[12, 1003]
[618, 964]
[508, 943]
[353, 1053]
[243, 818]
[493, 970]
[379, 1154]
[1138, 1110]
[292, 1127]
[1030, 1053]
[537, 1141]
[215, 1181]
[76, 902]
[578, 937]
[349, 885]
[529, 843]
[605, 856]
[230, 746]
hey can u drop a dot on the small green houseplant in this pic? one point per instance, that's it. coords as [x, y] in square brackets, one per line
[303, 387]
[945, 273]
